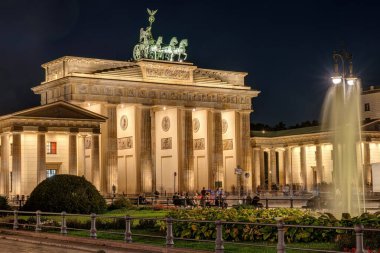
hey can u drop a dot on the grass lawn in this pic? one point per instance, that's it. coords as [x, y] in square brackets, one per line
[208, 246]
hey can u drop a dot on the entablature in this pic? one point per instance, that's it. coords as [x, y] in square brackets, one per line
[116, 91]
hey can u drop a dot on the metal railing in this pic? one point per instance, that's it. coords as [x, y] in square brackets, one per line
[169, 238]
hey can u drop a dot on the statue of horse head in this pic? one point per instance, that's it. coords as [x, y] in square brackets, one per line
[173, 42]
[183, 43]
[159, 41]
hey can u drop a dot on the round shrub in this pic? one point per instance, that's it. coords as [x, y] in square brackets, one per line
[120, 203]
[4, 203]
[68, 193]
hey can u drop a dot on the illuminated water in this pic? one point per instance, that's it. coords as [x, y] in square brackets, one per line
[341, 116]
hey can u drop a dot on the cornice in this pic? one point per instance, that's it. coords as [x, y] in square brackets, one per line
[85, 60]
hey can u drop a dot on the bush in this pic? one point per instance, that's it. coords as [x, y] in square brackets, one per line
[68, 193]
[120, 203]
[242, 232]
[4, 203]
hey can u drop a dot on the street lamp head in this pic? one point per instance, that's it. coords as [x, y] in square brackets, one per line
[336, 79]
[351, 81]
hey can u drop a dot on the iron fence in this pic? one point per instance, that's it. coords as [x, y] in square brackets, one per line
[169, 238]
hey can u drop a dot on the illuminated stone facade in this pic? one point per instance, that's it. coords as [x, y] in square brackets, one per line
[303, 157]
[166, 122]
[157, 125]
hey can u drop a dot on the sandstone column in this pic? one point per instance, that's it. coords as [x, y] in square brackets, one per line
[16, 163]
[41, 157]
[187, 157]
[217, 148]
[5, 164]
[303, 166]
[109, 142]
[262, 171]
[272, 169]
[281, 167]
[287, 165]
[95, 163]
[245, 148]
[319, 164]
[73, 154]
[145, 150]
[153, 147]
[367, 163]
[82, 158]
[257, 169]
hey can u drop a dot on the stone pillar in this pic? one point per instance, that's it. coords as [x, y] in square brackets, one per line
[153, 147]
[257, 168]
[245, 148]
[41, 157]
[73, 154]
[287, 165]
[95, 163]
[5, 164]
[109, 143]
[16, 163]
[272, 168]
[367, 163]
[262, 171]
[303, 166]
[82, 157]
[319, 164]
[281, 169]
[187, 154]
[217, 148]
[145, 150]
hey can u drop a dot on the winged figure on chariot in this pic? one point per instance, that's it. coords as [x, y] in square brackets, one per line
[149, 48]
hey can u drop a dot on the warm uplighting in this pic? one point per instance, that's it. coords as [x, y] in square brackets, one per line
[351, 81]
[164, 108]
[336, 80]
[193, 109]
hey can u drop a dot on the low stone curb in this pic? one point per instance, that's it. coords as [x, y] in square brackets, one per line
[63, 241]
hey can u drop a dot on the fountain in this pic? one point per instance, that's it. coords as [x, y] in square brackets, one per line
[341, 116]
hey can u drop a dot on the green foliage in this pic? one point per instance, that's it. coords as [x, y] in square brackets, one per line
[257, 232]
[146, 224]
[4, 203]
[121, 203]
[68, 193]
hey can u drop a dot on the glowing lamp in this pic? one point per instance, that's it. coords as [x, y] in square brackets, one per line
[336, 80]
[351, 81]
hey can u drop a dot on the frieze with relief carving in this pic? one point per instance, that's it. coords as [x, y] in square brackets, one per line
[199, 144]
[87, 143]
[167, 73]
[125, 143]
[166, 143]
[228, 144]
[181, 98]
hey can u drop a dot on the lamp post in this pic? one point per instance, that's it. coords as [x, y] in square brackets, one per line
[341, 77]
[238, 172]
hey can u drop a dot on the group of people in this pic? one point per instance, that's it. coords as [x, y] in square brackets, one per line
[205, 198]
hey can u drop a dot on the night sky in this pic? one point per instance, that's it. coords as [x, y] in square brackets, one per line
[285, 46]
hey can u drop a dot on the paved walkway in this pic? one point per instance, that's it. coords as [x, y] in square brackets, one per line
[28, 241]
[10, 246]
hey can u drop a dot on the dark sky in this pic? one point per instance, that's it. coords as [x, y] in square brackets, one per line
[285, 46]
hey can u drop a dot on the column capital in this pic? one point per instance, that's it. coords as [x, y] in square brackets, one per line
[111, 105]
[244, 111]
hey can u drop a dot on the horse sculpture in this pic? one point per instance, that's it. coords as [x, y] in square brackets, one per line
[155, 50]
[168, 51]
[181, 50]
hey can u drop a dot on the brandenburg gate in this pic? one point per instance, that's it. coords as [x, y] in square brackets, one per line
[171, 126]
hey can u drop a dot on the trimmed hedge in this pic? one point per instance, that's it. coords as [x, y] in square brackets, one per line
[239, 232]
[68, 193]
